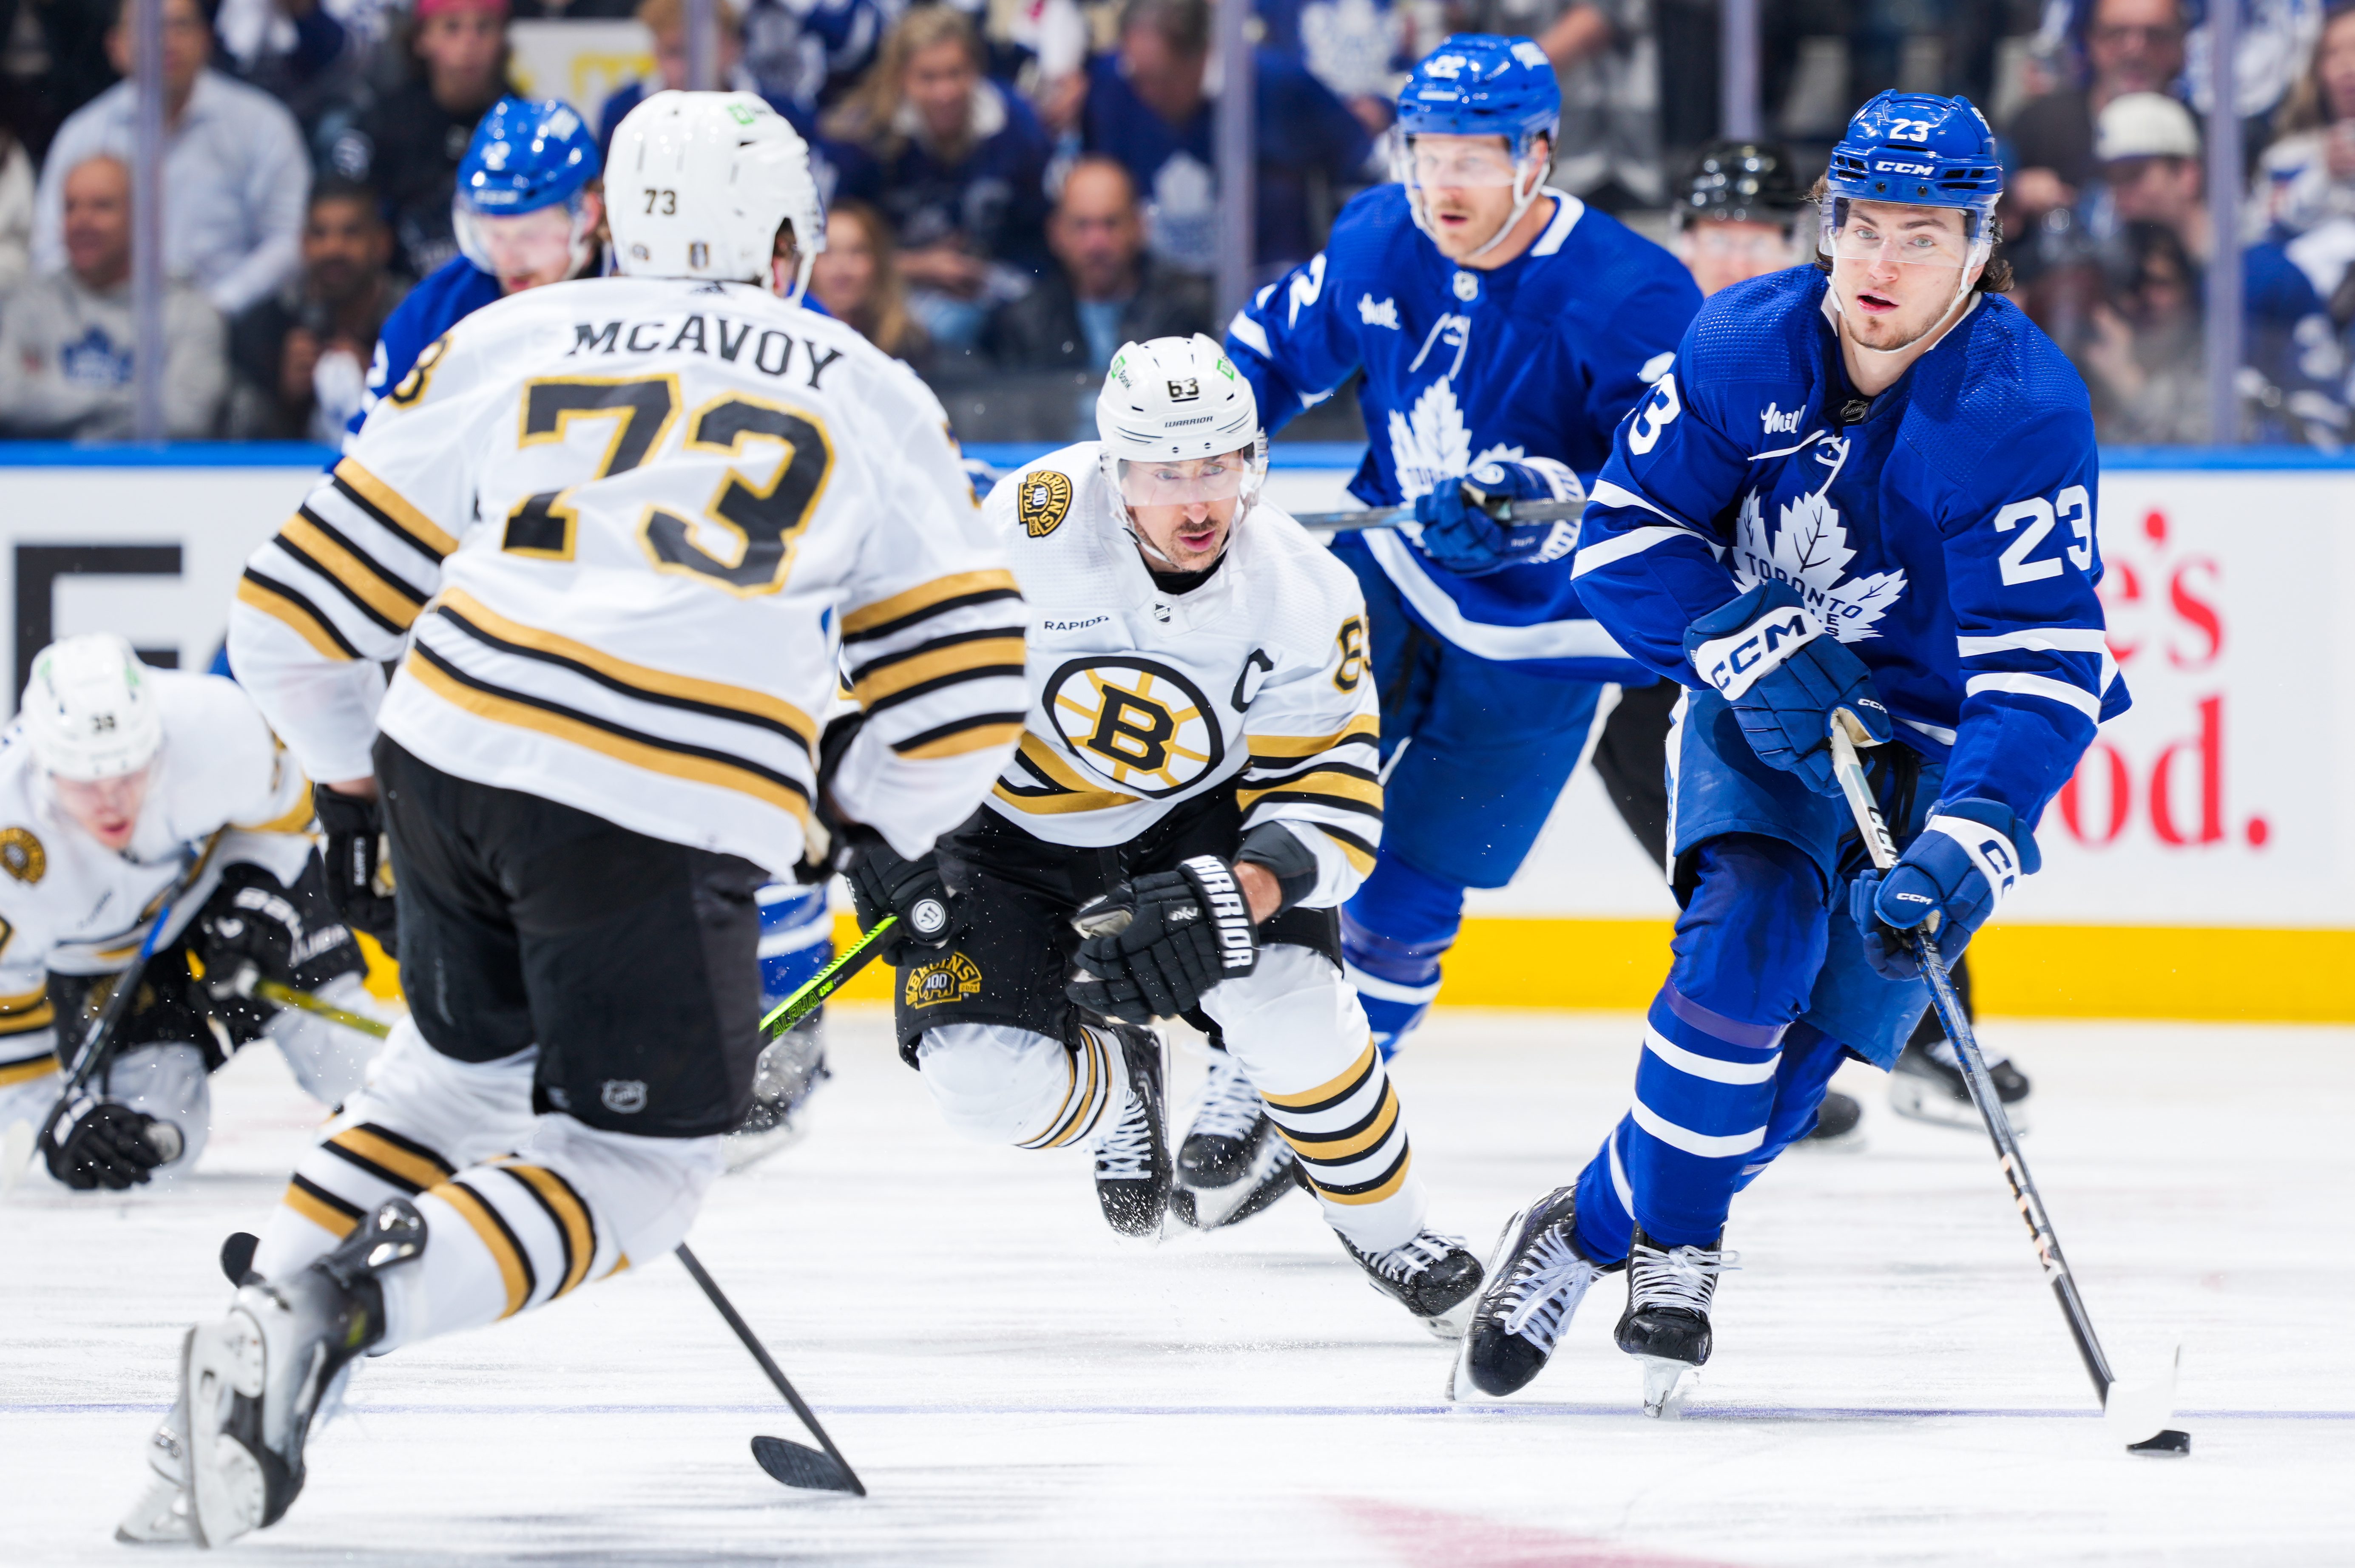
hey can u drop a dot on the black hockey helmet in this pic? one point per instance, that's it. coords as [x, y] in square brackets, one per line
[1743, 182]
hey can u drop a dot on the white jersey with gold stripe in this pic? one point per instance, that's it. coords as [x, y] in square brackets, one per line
[1253, 680]
[70, 905]
[617, 531]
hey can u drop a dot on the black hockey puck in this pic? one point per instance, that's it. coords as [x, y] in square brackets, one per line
[2168, 1442]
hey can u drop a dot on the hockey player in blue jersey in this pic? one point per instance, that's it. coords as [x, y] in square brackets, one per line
[1866, 488]
[1503, 329]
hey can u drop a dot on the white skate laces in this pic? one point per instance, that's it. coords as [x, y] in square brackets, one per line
[1401, 1264]
[1548, 1282]
[1231, 1107]
[1677, 1276]
[1126, 1153]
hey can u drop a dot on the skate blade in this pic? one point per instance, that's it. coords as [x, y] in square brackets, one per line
[160, 1517]
[1666, 1385]
[1918, 1101]
[2137, 1410]
[219, 1362]
[1455, 1323]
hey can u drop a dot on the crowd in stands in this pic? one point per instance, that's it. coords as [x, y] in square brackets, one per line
[1020, 186]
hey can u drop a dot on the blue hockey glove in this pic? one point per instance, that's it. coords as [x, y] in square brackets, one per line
[1461, 533]
[1784, 675]
[1951, 878]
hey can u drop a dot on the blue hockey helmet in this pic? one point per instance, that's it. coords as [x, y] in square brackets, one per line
[525, 155]
[1479, 84]
[1917, 148]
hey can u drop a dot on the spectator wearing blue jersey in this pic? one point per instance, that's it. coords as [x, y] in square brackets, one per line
[1862, 495]
[808, 52]
[1502, 329]
[957, 162]
[1152, 106]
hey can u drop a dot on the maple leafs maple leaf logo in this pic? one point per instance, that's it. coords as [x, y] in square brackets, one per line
[1809, 550]
[1433, 443]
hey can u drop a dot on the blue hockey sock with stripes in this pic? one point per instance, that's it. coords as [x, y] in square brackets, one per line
[1394, 931]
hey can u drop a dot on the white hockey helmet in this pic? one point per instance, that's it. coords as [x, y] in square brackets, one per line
[698, 185]
[89, 710]
[1175, 397]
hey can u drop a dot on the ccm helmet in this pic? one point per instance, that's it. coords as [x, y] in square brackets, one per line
[525, 155]
[699, 184]
[1916, 149]
[1479, 84]
[89, 712]
[1174, 401]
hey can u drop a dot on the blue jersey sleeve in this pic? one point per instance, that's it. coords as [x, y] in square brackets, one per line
[455, 291]
[1294, 343]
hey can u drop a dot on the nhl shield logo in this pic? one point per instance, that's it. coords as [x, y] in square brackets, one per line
[623, 1096]
[1043, 501]
[952, 978]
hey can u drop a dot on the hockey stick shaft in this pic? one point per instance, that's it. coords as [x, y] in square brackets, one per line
[1869, 822]
[287, 996]
[828, 980]
[1330, 523]
[97, 1045]
[726, 1309]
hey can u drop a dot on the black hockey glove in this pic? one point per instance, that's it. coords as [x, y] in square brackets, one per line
[253, 924]
[359, 873]
[1184, 931]
[885, 882]
[91, 1142]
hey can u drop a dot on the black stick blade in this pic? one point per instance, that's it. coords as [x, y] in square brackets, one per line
[2169, 1441]
[799, 1465]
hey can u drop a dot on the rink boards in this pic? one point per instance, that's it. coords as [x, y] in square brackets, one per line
[2199, 866]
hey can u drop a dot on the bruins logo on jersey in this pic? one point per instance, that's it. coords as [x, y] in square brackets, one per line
[952, 978]
[21, 854]
[1043, 501]
[1136, 722]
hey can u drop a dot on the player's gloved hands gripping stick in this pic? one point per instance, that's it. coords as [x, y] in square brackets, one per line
[884, 882]
[1185, 931]
[1460, 530]
[355, 858]
[89, 1142]
[1969, 854]
[1785, 675]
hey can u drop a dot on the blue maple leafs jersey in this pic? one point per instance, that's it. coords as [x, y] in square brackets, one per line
[1539, 358]
[1943, 530]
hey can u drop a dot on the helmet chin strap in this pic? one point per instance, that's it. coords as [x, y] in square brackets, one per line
[1523, 198]
[1962, 293]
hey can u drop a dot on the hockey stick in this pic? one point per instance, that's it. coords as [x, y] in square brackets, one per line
[2137, 1407]
[795, 1464]
[270, 990]
[826, 981]
[1330, 523]
[96, 1047]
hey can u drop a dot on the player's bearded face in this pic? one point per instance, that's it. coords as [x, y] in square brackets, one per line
[1898, 269]
[106, 808]
[1468, 189]
[1184, 511]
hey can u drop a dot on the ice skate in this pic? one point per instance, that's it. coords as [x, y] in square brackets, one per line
[160, 1516]
[1536, 1278]
[1927, 1085]
[1233, 1162]
[1840, 1122]
[1132, 1165]
[790, 1069]
[252, 1382]
[1432, 1276]
[1666, 1326]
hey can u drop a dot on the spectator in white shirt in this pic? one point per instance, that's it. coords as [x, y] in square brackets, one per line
[235, 176]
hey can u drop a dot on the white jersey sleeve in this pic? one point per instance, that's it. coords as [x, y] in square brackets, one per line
[1314, 739]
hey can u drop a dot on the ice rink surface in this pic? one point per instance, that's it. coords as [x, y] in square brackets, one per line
[1893, 1383]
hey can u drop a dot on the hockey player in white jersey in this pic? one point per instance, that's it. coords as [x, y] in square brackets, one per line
[1197, 786]
[115, 780]
[620, 527]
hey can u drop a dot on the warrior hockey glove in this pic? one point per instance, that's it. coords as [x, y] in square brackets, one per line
[286, 935]
[91, 1142]
[1459, 526]
[358, 880]
[1952, 878]
[1784, 675]
[885, 882]
[1186, 930]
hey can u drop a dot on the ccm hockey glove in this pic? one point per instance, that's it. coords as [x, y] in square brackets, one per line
[91, 1142]
[885, 882]
[359, 879]
[1183, 932]
[1949, 880]
[1784, 675]
[1460, 530]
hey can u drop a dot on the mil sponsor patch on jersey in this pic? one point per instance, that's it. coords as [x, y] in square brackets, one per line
[952, 978]
[1044, 501]
[21, 854]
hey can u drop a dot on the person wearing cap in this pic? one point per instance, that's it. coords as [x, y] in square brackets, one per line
[2129, 45]
[1861, 503]
[2149, 151]
[116, 779]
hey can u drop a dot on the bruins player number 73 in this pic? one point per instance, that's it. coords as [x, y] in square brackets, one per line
[618, 531]
[1195, 783]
